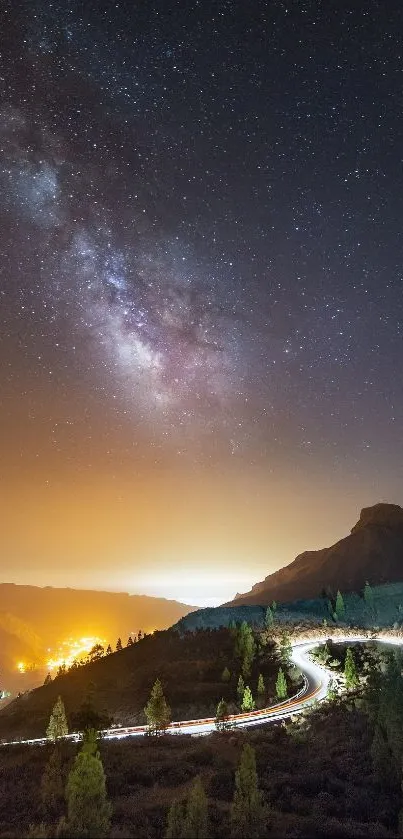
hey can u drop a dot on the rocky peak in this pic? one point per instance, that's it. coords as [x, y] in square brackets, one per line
[380, 515]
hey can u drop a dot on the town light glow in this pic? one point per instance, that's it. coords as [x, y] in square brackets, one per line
[72, 649]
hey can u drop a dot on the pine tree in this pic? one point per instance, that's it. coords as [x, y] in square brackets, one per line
[88, 808]
[48, 679]
[157, 710]
[243, 632]
[129, 641]
[225, 675]
[269, 618]
[340, 609]
[196, 825]
[248, 703]
[52, 787]
[285, 649]
[58, 723]
[249, 655]
[281, 685]
[350, 670]
[240, 688]
[176, 821]
[88, 716]
[261, 689]
[108, 649]
[222, 722]
[332, 692]
[247, 811]
[119, 645]
[274, 607]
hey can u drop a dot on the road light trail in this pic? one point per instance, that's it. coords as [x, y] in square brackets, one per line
[316, 685]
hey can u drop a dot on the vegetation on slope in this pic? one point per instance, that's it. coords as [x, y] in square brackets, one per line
[193, 670]
[385, 609]
[317, 779]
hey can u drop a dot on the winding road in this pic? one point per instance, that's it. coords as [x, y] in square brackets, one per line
[315, 688]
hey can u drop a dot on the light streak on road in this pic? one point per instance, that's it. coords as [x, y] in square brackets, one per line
[316, 685]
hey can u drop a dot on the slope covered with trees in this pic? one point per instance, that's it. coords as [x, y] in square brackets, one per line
[195, 671]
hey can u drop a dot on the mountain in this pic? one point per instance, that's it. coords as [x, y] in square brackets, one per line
[34, 620]
[373, 551]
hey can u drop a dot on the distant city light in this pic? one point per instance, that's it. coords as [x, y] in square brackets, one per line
[72, 650]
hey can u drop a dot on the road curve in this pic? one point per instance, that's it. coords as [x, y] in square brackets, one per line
[315, 688]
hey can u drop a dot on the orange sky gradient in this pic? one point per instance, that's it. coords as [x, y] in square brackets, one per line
[195, 536]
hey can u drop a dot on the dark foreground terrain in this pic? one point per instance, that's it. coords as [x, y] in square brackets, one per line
[317, 779]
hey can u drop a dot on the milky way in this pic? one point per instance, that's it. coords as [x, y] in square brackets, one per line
[202, 220]
[165, 336]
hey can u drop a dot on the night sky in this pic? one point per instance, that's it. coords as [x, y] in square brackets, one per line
[201, 287]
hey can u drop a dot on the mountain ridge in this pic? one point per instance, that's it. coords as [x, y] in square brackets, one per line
[372, 551]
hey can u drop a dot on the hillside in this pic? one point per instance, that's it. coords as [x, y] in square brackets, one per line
[190, 669]
[373, 551]
[34, 619]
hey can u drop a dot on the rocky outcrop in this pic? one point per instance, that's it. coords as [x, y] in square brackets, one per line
[373, 551]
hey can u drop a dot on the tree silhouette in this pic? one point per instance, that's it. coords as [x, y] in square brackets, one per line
[88, 716]
[176, 820]
[58, 723]
[340, 608]
[157, 710]
[88, 808]
[96, 652]
[222, 722]
[247, 811]
[261, 690]
[285, 649]
[247, 700]
[350, 670]
[196, 825]
[240, 688]
[281, 685]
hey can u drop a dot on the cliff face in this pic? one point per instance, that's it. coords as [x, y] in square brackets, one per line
[373, 551]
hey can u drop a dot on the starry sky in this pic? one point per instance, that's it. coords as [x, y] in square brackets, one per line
[201, 285]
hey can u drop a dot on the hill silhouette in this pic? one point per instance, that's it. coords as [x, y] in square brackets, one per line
[373, 551]
[34, 619]
[189, 666]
